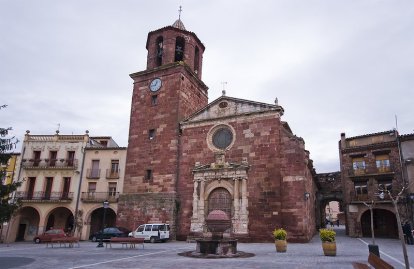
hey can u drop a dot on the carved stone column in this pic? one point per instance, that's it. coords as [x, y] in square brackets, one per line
[244, 213]
[236, 202]
[244, 196]
[197, 221]
[195, 200]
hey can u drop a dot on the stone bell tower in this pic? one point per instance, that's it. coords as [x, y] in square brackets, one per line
[168, 91]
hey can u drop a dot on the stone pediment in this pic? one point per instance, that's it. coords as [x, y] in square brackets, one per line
[225, 106]
[216, 167]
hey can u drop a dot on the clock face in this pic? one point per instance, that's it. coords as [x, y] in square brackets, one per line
[155, 85]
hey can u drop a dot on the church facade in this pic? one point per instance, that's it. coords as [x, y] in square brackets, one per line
[187, 157]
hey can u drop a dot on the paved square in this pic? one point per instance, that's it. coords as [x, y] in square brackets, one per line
[164, 255]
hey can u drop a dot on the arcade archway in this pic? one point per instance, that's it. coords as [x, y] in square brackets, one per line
[96, 219]
[60, 218]
[28, 225]
[385, 224]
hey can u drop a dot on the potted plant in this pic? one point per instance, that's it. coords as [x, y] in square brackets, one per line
[280, 239]
[328, 241]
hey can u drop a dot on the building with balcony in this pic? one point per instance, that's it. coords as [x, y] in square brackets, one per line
[102, 180]
[407, 150]
[63, 183]
[50, 168]
[370, 169]
[10, 168]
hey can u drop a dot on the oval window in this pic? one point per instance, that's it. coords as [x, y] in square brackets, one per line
[222, 138]
[223, 105]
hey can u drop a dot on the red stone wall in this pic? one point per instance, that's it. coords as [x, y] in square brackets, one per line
[137, 209]
[260, 140]
[178, 97]
[298, 213]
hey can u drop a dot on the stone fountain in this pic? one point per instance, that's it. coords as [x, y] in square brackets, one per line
[216, 246]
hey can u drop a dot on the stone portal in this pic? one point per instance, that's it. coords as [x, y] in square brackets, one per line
[220, 186]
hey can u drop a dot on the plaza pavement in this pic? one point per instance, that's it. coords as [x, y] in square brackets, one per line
[164, 255]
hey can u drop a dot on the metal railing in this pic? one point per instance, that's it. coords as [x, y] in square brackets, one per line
[98, 197]
[50, 163]
[93, 173]
[365, 197]
[371, 170]
[112, 174]
[44, 196]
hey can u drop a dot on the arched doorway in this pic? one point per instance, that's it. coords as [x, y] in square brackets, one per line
[332, 216]
[28, 224]
[220, 199]
[385, 224]
[61, 218]
[96, 219]
[330, 213]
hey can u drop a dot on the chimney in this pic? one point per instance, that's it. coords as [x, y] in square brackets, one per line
[343, 144]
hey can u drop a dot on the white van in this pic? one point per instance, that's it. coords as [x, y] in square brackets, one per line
[152, 232]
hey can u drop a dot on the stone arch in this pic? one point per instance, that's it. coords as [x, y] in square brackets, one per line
[94, 219]
[385, 223]
[219, 184]
[220, 199]
[63, 218]
[159, 50]
[28, 224]
[87, 215]
[324, 217]
[322, 201]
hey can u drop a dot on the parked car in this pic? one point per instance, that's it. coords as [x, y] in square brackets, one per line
[108, 233]
[48, 235]
[152, 232]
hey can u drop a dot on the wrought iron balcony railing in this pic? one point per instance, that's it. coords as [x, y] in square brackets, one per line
[371, 170]
[99, 197]
[112, 174]
[364, 197]
[42, 196]
[93, 173]
[69, 164]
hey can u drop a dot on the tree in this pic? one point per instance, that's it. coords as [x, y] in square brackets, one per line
[394, 199]
[8, 205]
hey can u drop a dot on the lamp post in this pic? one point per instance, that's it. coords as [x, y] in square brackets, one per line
[105, 206]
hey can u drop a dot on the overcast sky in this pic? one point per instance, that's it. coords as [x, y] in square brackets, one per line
[335, 66]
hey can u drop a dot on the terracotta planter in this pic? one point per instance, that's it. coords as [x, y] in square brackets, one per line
[329, 248]
[281, 245]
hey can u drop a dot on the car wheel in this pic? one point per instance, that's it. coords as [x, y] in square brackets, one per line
[153, 239]
[94, 239]
[37, 240]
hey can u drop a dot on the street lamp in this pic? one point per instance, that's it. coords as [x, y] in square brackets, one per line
[105, 206]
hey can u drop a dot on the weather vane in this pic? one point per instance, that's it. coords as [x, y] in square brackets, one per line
[179, 13]
[224, 83]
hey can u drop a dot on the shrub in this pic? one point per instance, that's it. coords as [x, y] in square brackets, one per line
[327, 235]
[280, 234]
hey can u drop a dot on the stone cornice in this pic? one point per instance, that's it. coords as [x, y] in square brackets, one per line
[392, 144]
[171, 66]
[246, 116]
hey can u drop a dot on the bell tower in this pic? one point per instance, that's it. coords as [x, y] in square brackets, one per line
[175, 44]
[168, 91]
